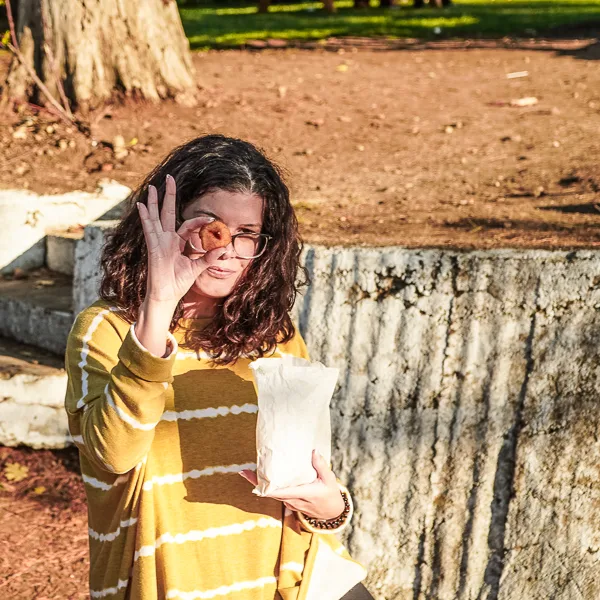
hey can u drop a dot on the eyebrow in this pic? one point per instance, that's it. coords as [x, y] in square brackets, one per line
[212, 214]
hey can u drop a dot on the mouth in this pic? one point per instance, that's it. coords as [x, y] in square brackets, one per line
[219, 273]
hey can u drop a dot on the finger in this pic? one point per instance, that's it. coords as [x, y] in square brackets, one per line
[320, 465]
[192, 225]
[153, 208]
[148, 227]
[167, 215]
[249, 476]
[210, 258]
[299, 492]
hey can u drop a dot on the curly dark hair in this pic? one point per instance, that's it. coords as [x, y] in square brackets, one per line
[255, 316]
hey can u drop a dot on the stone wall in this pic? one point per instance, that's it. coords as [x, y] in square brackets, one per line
[27, 217]
[465, 422]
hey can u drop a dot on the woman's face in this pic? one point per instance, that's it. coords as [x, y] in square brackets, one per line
[240, 212]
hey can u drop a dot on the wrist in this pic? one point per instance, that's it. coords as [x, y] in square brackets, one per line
[334, 525]
[336, 509]
[153, 325]
[164, 308]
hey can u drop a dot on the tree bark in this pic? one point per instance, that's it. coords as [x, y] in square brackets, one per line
[98, 49]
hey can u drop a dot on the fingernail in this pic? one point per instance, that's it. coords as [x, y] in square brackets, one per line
[137, 204]
[169, 176]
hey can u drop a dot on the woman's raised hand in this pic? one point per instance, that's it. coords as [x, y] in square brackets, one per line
[170, 272]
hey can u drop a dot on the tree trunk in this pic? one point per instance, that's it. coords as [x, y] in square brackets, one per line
[99, 48]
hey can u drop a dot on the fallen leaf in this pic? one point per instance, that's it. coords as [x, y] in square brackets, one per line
[40, 489]
[15, 472]
[342, 68]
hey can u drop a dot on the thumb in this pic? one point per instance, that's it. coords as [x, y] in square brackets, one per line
[209, 259]
[322, 468]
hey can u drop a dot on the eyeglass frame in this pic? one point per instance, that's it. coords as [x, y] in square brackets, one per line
[251, 233]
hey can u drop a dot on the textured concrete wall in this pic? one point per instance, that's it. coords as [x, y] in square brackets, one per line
[87, 273]
[32, 409]
[466, 420]
[26, 217]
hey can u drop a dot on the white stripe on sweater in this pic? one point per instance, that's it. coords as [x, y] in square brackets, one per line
[195, 474]
[85, 350]
[209, 413]
[212, 533]
[224, 590]
[292, 566]
[124, 416]
[102, 485]
[109, 537]
[111, 591]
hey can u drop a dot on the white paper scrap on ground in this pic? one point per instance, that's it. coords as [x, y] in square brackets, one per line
[293, 419]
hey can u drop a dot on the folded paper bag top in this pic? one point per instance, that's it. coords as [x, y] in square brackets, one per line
[293, 419]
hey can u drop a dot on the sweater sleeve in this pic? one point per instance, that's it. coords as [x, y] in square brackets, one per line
[116, 390]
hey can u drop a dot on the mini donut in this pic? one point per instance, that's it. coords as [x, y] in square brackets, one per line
[215, 235]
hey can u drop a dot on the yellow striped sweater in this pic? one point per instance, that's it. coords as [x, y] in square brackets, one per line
[161, 441]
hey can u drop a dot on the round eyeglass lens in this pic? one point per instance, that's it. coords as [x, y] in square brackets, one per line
[249, 245]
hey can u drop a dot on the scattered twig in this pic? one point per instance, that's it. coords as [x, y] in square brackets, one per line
[105, 111]
[11, 24]
[40, 84]
[53, 67]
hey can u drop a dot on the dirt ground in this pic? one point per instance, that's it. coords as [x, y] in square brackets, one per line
[43, 527]
[416, 147]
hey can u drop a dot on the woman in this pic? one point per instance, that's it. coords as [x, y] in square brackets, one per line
[161, 402]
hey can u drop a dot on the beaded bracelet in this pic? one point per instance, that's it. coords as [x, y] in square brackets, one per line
[331, 523]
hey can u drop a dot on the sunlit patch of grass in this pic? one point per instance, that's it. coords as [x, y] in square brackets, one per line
[232, 24]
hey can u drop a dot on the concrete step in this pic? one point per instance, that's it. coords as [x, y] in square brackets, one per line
[60, 249]
[32, 388]
[37, 310]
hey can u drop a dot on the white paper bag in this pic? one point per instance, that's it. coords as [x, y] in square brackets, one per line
[293, 419]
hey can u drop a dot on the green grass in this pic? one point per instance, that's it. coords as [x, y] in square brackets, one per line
[232, 23]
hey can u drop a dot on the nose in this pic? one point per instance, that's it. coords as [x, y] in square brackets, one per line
[229, 252]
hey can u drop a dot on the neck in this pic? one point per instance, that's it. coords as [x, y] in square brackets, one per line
[196, 306]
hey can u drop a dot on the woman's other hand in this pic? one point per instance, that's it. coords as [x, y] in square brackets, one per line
[320, 499]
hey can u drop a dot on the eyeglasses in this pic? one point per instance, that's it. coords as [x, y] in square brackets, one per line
[245, 245]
